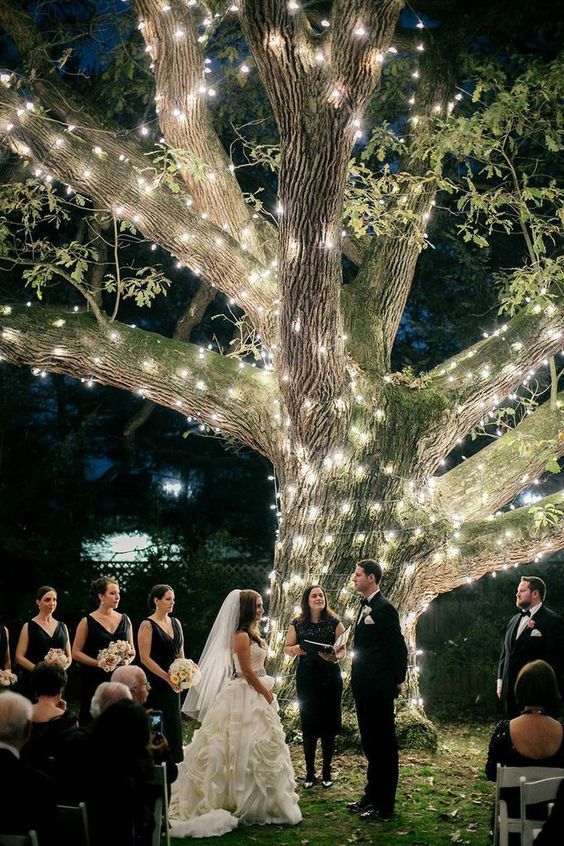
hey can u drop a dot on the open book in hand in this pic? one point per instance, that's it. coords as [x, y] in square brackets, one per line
[312, 647]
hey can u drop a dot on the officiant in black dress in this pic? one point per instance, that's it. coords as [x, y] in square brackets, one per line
[319, 683]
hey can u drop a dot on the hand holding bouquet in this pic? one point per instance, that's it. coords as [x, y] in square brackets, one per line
[58, 657]
[7, 678]
[116, 654]
[184, 673]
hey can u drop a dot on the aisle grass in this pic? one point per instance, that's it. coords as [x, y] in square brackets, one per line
[442, 799]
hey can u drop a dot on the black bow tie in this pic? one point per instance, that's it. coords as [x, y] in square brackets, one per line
[364, 602]
[525, 613]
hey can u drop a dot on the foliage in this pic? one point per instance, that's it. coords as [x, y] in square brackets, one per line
[545, 515]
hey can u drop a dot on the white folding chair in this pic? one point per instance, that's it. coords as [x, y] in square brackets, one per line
[72, 825]
[160, 812]
[504, 825]
[533, 793]
[29, 839]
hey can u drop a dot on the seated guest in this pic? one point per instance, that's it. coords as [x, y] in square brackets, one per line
[551, 833]
[27, 798]
[49, 716]
[75, 745]
[106, 694]
[120, 766]
[135, 679]
[534, 738]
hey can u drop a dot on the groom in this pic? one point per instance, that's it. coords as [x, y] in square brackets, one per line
[378, 672]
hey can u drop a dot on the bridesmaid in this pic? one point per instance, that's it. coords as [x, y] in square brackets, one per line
[95, 632]
[37, 637]
[160, 641]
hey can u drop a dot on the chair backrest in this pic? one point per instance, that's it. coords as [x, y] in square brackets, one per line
[72, 825]
[29, 839]
[535, 793]
[544, 790]
[511, 777]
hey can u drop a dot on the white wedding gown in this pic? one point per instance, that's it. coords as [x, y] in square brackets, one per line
[237, 767]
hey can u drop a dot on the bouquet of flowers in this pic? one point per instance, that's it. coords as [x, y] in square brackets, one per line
[58, 657]
[7, 678]
[116, 653]
[184, 673]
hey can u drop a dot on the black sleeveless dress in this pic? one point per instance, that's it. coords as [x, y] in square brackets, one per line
[97, 638]
[318, 683]
[164, 649]
[3, 646]
[39, 644]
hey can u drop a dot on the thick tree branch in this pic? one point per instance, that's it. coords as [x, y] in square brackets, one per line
[318, 87]
[376, 300]
[171, 34]
[477, 380]
[190, 318]
[494, 476]
[153, 208]
[235, 401]
[509, 539]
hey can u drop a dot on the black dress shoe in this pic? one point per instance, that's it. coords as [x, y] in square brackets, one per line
[359, 805]
[376, 815]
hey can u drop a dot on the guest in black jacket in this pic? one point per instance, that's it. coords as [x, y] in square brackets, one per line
[27, 797]
[378, 671]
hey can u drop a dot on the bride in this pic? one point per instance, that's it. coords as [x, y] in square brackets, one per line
[237, 767]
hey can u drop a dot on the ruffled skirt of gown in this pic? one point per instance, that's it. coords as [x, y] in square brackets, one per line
[238, 761]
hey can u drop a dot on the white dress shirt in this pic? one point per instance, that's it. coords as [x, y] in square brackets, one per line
[524, 620]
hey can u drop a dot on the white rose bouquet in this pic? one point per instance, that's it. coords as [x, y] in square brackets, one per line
[7, 678]
[184, 673]
[116, 654]
[58, 657]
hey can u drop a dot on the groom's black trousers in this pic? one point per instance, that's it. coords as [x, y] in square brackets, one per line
[378, 736]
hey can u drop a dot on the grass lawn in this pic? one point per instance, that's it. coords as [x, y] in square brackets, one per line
[443, 798]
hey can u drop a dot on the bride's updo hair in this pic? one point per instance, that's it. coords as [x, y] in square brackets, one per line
[248, 615]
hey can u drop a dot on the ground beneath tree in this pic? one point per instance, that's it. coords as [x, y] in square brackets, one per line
[443, 798]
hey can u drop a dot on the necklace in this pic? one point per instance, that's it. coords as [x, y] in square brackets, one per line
[533, 711]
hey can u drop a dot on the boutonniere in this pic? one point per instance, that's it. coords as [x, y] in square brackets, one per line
[530, 623]
[365, 611]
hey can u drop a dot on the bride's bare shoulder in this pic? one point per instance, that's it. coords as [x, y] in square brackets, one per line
[241, 638]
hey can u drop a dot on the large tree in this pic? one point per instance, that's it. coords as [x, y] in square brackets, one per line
[357, 448]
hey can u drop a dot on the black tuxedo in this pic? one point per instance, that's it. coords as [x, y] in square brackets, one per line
[548, 645]
[379, 666]
[27, 800]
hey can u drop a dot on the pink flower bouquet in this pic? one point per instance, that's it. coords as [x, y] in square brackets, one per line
[58, 657]
[7, 678]
[116, 654]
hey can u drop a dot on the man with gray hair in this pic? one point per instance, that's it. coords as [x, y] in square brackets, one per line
[28, 797]
[136, 680]
[107, 694]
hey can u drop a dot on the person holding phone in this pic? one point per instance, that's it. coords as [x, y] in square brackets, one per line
[161, 641]
[319, 683]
